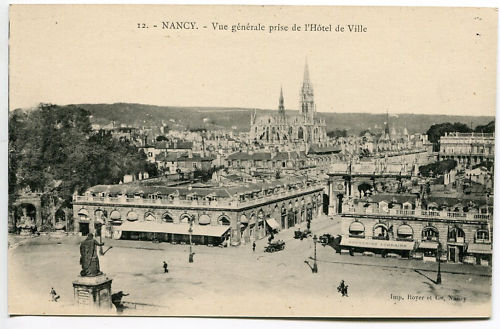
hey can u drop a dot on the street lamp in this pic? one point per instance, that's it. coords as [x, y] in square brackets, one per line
[191, 239]
[315, 265]
[101, 252]
[438, 279]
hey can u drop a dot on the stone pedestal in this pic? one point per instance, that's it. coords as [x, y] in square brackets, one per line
[93, 293]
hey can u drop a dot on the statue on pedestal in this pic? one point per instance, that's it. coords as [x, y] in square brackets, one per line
[26, 224]
[88, 257]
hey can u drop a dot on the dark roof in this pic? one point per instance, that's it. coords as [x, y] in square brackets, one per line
[157, 187]
[391, 197]
[316, 149]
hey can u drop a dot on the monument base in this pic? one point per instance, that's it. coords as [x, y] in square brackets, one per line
[26, 231]
[93, 292]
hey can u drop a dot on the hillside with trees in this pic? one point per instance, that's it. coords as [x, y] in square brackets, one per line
[214, 118]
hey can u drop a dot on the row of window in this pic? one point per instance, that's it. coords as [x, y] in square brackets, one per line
[132, 216]
[405, 231]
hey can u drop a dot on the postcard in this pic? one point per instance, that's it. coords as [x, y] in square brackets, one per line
[251, 161]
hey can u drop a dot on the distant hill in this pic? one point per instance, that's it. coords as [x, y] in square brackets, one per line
[226, 118]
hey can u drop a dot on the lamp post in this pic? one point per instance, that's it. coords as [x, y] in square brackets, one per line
[438, 279]
[191, 239]
[315, 265]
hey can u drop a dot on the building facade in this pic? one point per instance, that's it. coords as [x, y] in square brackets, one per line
[401, 226]
[467, 148]
[238, 214]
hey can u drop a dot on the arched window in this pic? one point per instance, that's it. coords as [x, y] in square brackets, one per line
[149, 216]
[380, 231]
[300, 133]
[83, 214]
[430, 233]
[115, 215]
[223, 220]
[356, 229]
[204, 220]
[405, 232]
[132, 216]
[167, 218]
[99, 214]
[456, 234]
[482, 236]
[185, 218]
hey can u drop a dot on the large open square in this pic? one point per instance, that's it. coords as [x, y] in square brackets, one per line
[238, 281]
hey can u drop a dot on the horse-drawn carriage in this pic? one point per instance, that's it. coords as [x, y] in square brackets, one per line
[275, 246]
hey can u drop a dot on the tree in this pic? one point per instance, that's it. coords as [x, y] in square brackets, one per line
[161, 138]
[337, 133]
[436, 131]
[488, 128]
[437, 168]
[53, 150]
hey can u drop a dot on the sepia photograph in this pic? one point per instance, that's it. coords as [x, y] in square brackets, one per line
[251, 161]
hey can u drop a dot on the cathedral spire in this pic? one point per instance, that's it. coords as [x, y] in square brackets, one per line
[307, 95]
[281, 107]
[387, 122]
[306, 73]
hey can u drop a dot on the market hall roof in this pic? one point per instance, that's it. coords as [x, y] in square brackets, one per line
[156, 188]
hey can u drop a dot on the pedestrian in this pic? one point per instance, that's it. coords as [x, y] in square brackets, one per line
[165, 267]
[253, 246]
[53, 295]
[342, 288]
[344, 292]
[116, 299]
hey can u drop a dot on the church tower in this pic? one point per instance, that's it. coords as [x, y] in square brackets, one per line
[386, 130]
[307, 96]
[281, 107]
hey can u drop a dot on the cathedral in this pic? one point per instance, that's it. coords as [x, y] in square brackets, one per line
[285, 130]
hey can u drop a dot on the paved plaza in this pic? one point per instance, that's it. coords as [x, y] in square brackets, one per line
[238, 281]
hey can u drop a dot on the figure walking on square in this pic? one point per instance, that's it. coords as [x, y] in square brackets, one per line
[342, 288]
[88, 257]
[253, 246]
[53, 295]
[165, 267]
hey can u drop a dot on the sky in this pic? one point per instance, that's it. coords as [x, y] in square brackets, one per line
[410, 60]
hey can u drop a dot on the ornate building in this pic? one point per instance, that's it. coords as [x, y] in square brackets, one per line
[299, 130]
[467, 148]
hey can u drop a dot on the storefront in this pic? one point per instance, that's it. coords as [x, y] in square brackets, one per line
[273, 224]
[174, 233]
[478, 253]
[402, 248]
[427, 250]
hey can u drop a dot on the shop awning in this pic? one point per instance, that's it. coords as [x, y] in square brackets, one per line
[273, 223]
[83, 212]
[479, 248]
[376, 244]
[428, 245]
[155, 227]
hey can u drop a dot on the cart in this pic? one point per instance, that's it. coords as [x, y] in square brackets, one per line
[275, 246]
